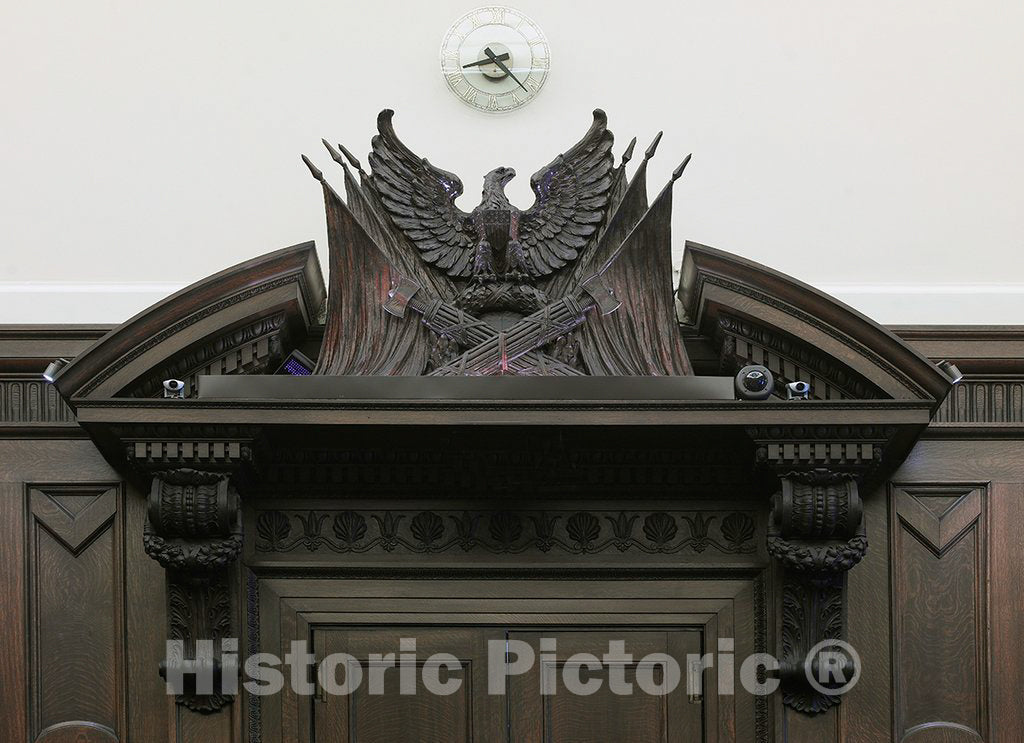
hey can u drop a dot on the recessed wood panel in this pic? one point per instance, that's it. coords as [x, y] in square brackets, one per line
[939, 616]
[376, 708]
[1006, 581]
[76, 618]
[418, 718]
[543, 708]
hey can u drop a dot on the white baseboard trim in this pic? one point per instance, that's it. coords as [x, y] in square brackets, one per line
[890, 304]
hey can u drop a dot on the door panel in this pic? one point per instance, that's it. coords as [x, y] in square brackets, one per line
[544, 708]
[379, 710]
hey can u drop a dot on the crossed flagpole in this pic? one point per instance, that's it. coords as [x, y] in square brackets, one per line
[516, 351]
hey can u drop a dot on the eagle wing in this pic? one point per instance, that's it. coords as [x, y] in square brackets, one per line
[421, 201]
[572, 197]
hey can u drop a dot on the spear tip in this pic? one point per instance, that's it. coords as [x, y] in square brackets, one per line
[628, 154]
[654, 147]
[353, 161]
[335, 155]
[682, 166]
[317, 173]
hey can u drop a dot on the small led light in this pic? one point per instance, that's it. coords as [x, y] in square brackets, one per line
[951, 370]
[54, 368]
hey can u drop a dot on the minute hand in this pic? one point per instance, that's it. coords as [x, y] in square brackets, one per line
[502, 66]
[484, 61]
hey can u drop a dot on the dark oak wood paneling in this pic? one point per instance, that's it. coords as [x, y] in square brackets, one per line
[14, 720]
[96, 625]
[564, 717]
[378, 710]
[865, 716]
[292, 608]
[1006, 580]
[31, 460]
[76, 612]
[940, 674]
[146, 624]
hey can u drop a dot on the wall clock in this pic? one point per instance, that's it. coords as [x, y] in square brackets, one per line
[495, 59]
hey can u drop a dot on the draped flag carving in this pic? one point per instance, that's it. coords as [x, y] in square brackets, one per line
[578, 284]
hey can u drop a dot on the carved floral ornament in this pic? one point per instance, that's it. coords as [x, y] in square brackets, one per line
[505, 532]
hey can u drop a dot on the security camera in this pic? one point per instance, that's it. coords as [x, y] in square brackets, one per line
[754, 382]
[798, 390]
[174, 388]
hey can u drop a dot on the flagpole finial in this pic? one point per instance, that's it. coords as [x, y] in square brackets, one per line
[335, 155]
[682, 166]
[352, 159]
[628, 154]
[653, 147]
[317, 173]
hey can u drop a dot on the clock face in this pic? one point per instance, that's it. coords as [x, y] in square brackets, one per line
[495, 59]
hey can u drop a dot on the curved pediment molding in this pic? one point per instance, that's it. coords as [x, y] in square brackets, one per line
[845, 353]
[240, 320]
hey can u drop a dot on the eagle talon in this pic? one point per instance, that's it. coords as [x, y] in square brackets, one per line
[516, 257]
[483, 261]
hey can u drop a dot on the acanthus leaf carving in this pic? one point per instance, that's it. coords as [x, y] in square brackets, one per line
[194, 530]
[816, 531]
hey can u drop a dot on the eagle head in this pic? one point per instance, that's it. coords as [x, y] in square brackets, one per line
[498, 178]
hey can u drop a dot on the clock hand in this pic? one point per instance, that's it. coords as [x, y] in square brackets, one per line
[501, 57]
[502, 66]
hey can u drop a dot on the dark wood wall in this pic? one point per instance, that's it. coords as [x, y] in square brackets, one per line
[934, 608]
[937, 603]
[82, 614]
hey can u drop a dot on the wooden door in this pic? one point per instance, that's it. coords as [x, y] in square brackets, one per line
[541, 708]
[534, 705]
[380, 710]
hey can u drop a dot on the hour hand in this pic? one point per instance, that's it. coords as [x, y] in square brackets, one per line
[502, 66]
[499, 58]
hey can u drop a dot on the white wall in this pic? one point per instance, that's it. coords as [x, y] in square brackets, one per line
[860, 146]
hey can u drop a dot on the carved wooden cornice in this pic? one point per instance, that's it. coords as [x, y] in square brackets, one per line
[848, 447]
[713, 282]
[743, 342]
[195, 323]
[28, 405]
[254, 348]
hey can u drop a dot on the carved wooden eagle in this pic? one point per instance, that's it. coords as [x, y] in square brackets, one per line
[496, 238]
[579, 283]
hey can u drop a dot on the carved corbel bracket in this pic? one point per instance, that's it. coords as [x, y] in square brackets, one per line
[193, 521]
[194, 530]
[816, 533]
